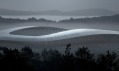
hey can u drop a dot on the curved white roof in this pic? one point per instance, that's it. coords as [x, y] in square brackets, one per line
[5, 34]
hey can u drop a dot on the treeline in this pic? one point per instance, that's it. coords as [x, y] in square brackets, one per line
[11, 20]
[52, 60]
[102, 19]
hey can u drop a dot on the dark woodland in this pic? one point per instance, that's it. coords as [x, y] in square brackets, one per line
[52, 60]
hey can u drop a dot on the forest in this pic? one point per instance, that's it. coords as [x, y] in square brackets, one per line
[101, 19]
[25, 59]
[17, 20]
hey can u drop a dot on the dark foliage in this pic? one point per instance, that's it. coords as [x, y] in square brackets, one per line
[11, 20]
[102, 19]
[52, 60]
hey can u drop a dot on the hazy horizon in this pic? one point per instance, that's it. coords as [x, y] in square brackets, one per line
[59, 10]
[62, 5]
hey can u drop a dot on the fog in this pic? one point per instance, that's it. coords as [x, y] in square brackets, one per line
[105, 26]
[65, 26]
[63, 5]
[20, 7]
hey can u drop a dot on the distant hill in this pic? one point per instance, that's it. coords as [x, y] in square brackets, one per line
[14, 12]
[11, 20]
[103, 19]
[92, 12]
[83, 12]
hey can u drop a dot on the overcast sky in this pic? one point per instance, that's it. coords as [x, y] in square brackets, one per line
[63, 5]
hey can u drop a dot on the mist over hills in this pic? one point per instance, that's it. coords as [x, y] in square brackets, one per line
[93, 12]
[102, 19]
[82, 12]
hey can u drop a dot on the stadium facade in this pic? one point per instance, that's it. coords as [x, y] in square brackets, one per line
[60, 37]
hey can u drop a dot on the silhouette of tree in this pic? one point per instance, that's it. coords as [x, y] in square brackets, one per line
[27, 52]
[84, 60]
[44, 55]
[12, 60]
[67, 59]
[108, 62]
[52, 60]
[84, 54]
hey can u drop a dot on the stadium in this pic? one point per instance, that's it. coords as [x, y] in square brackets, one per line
[58, 38]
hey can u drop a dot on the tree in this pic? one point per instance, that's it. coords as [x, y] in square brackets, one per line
[27, 52]
[68, 59]
[84, 54]
[84, 60]
[108, 62]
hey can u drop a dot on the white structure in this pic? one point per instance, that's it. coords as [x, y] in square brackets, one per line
[57, 37]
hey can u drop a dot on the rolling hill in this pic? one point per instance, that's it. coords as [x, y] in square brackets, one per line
[82, 12]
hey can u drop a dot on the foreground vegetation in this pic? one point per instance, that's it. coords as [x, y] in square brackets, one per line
[52, 60]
